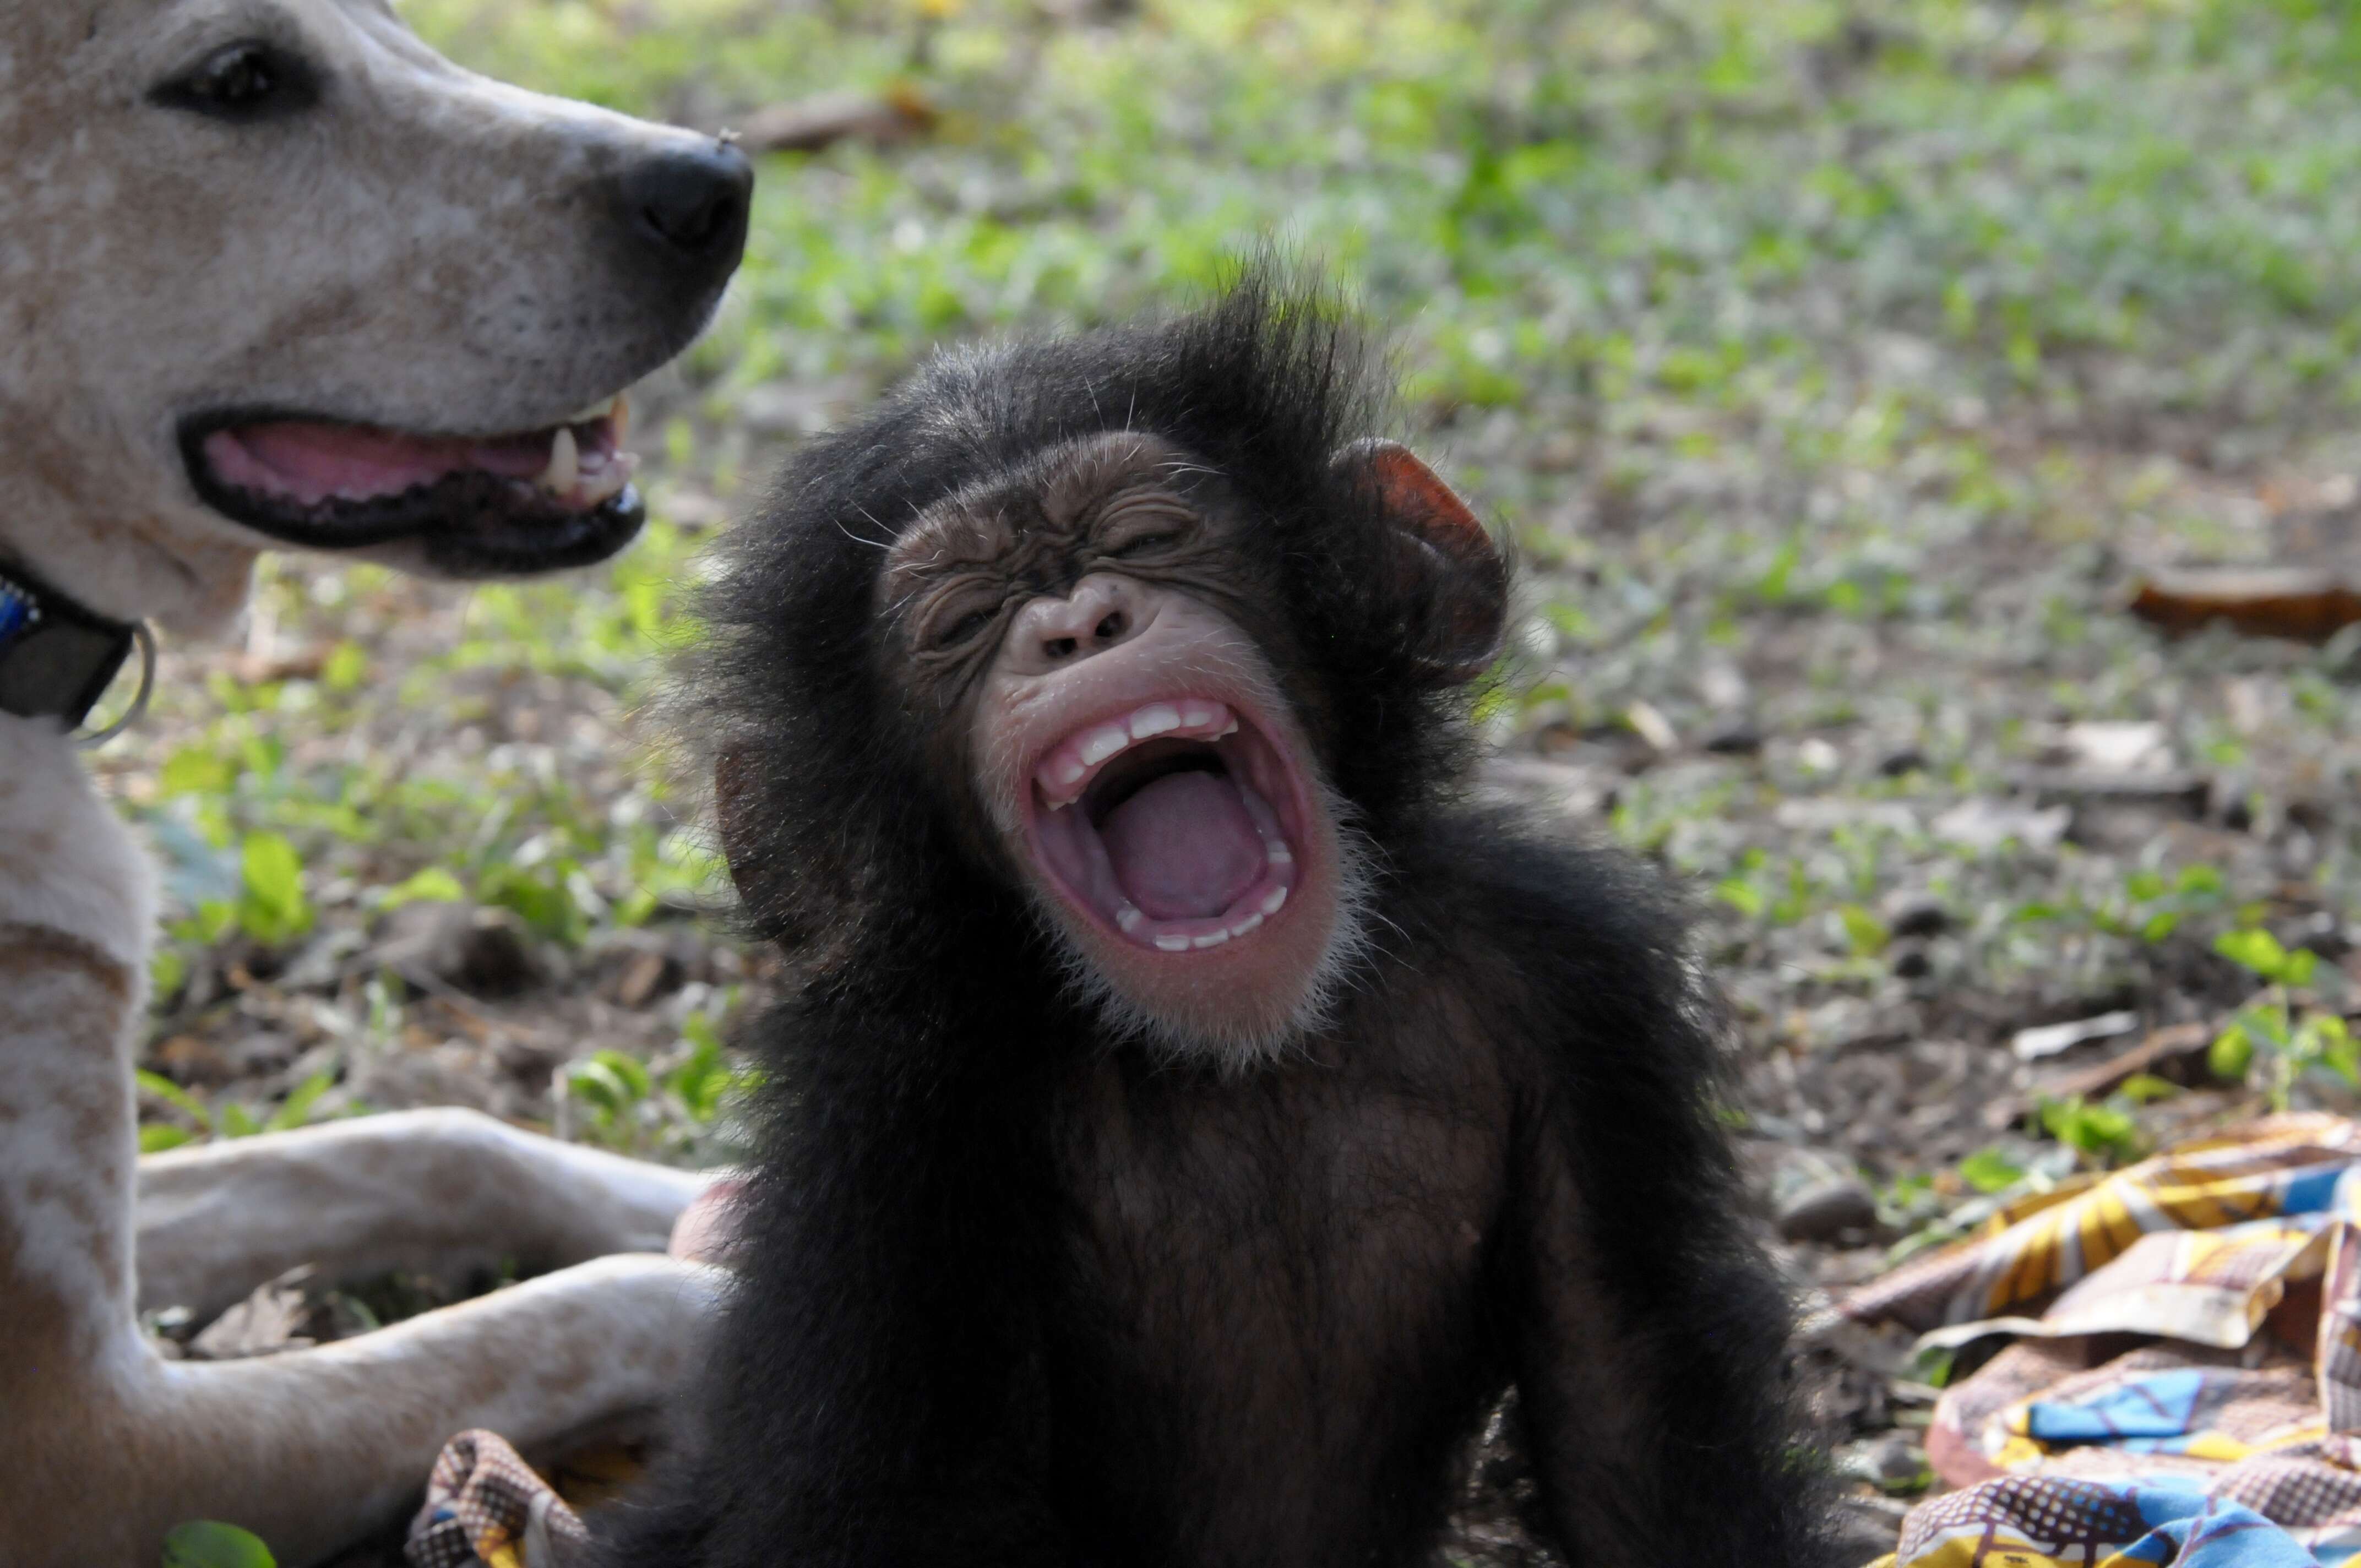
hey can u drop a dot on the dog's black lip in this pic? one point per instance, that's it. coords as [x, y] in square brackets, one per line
[464, 525]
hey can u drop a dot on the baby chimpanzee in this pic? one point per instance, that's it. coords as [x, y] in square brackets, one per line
[1193, 1110]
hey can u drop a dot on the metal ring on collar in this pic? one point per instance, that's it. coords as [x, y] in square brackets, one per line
[132, 715]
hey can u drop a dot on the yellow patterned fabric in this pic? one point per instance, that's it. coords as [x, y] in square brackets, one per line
[2228, 1437]
[2035, 1249]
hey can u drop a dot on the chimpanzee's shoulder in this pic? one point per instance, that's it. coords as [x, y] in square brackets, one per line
[1524, 879]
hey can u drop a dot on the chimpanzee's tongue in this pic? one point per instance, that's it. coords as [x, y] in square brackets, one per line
[1183, 847]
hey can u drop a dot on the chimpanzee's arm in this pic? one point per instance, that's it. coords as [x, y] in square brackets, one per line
[1650, 1329]
[1649, 1386]
[877, 1399]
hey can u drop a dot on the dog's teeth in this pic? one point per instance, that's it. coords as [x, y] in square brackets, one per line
[621, 415]
[608, 481]
[564, 464]
[602, 409]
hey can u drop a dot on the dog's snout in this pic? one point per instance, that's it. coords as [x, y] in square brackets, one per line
[693, 205]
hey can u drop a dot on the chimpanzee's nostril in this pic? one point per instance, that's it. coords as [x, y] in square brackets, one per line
[1113, 627]
[693, 203]
[1059, 648]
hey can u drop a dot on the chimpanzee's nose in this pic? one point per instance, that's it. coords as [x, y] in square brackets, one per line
[1103, 611]
[693, 207]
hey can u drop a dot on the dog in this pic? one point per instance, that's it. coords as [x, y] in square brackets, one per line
[274, 274]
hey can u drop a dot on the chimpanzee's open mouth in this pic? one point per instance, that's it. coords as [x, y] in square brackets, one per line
[1176, 823]
[476, 506]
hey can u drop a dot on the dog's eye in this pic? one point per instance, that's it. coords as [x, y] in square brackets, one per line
[243, 82]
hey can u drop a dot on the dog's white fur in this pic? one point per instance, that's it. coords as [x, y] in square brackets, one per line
[407, 254]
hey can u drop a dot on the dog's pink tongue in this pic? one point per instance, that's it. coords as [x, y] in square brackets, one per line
[313, 463]
[1183, 847]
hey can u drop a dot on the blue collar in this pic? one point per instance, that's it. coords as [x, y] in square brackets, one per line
[56, 657]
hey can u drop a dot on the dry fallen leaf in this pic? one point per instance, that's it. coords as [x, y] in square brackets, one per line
[2262, 601]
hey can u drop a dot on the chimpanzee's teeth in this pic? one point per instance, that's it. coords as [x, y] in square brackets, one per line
[1067, 771]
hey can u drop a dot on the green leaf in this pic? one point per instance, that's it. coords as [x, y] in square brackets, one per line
[192, 770]
[2255, 950]
[699, 1083]
[2297, 968]
[2159, 926]
[172, 1094]
[1743, 896]
[238, 1122]
[296, 1109]
[206, 1544]
[610, 1081]
[630, 1068]
[344, 667]
[432, 885]
[2095, 1130]
[156, 1137]
[2142, 1088]
[1864, 931]
[1932, 1365]
[698, 1030]
[166, 970]
[2230, 1055]
[596, 1084]
[273, 908]
[1989, 1170]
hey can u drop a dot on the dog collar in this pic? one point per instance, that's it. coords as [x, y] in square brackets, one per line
[58, 658]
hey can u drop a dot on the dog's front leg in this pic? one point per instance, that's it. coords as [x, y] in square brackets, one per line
[441, 1193]
[312, 1448]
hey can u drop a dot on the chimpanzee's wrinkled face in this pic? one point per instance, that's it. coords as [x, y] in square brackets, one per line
[1076, 635]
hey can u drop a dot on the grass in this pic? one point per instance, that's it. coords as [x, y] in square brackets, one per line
[1831, 365]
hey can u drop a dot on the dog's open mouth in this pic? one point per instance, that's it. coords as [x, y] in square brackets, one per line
[474, 505]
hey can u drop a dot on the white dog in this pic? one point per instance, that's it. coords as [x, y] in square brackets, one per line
[271, 272]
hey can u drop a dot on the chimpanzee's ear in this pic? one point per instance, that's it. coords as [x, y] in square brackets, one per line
[1447, 556]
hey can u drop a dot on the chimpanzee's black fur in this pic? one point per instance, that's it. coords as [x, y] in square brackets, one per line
[924, 1364]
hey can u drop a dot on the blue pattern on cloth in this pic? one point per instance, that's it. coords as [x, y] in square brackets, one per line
[2138, 1415]
[2191, 1530]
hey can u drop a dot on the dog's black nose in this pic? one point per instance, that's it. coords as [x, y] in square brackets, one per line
[693, 204]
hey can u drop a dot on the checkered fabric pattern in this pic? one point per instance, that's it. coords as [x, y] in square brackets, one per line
[486, 1507]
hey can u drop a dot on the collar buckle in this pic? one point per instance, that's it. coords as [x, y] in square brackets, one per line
[56, 658]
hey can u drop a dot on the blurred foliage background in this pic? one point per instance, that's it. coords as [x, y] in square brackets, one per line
[1837, 367]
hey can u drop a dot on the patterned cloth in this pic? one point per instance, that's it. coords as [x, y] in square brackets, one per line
[2234, 1443]
[486, 1507]
[2279, 1167]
